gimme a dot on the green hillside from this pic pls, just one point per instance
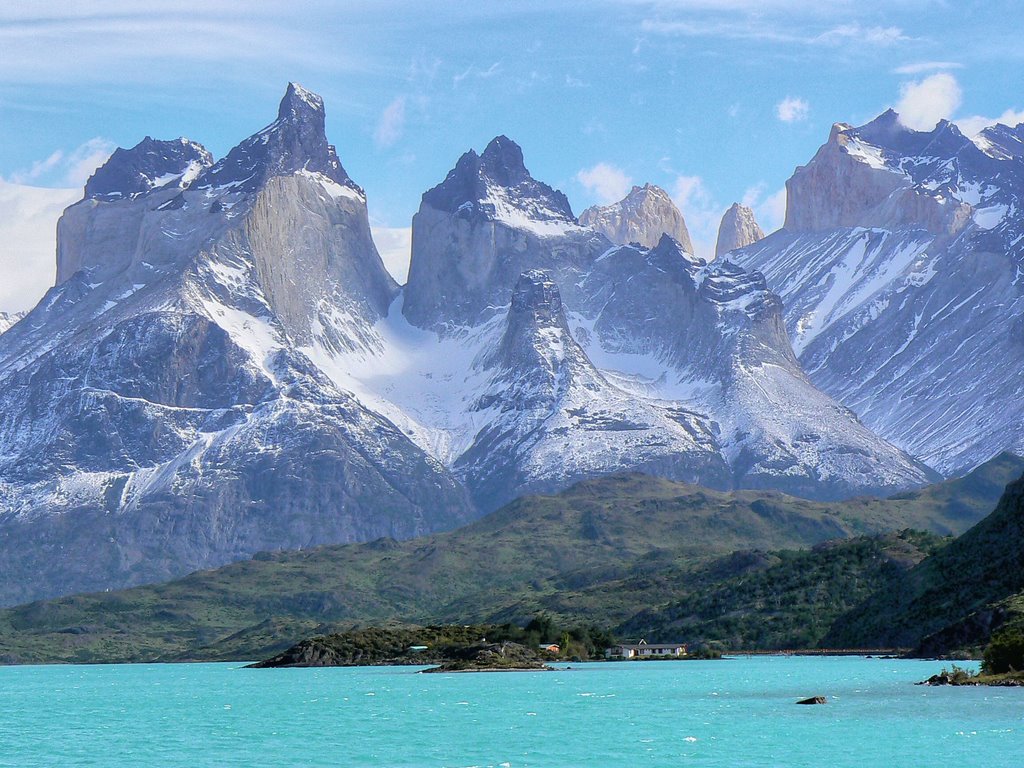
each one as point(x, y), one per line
point(594, 553)
point(783, 600)
point(955, 598)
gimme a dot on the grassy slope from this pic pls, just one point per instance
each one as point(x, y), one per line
point(783, 600)
point(957, 596)
point(596, 552)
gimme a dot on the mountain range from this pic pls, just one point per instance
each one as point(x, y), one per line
point(224, 365)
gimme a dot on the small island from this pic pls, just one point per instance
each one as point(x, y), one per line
point(448, 648)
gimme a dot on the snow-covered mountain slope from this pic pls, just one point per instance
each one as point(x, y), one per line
point(899, 268)
point(7, 319)
point(156, 415)
point(655, 334)
point(642, 216)
point(550, 415)
point(738, 229)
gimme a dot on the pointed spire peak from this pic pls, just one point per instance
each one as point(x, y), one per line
point(738, 229)
point(502, 147)
point(299, 103)
point(502, 161)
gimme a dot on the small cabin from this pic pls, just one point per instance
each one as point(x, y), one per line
point(645, 650)
point(550, 647)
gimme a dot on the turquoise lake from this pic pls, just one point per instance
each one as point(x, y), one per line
point(734, 712)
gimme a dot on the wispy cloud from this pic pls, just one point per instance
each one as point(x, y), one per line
point(48, 41)
point(608, 183)
point(66, 168)
point(919, 67)
point(792, 109)
point(476, 72)
point(760, 29)
point(701, 211)
point(391, 123)
point(859, 34)
point(924, 102)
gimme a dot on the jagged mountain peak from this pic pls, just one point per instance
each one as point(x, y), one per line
point(670, 250)
point(1002, 142)
point(536, 331)
point(502, 162)
point(739, 228)
point(888, 132)
point(642, 216)
point(296, 142)
point(478, 230)
point(885, 175)
point(150, 164)
point(300, 104)
point(494, 183)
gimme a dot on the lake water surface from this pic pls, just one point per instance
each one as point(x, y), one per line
point(734, 712)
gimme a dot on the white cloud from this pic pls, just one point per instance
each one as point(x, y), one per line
point(924, 102)
point(394, 244)
point(608, 183)
point(67, 169)
point(792, 109)
point(770, 210)
point(972, 126)
point(391, 123)
point(82, 162)
point(918, 67)
point(701, 211)
point(28, 231)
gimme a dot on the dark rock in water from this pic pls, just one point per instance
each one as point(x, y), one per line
point(814, 700)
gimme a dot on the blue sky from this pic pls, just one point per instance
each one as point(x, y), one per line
point(717, 101)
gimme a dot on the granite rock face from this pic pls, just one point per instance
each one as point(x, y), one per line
point(478, 230)
point(738, 229)
point(899, 269)
point(857, 180)
point(157, 413)
point(642, 217)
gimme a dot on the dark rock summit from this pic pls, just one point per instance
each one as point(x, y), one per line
point(148, 165)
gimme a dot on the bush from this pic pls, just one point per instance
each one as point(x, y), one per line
point(1005, 652)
